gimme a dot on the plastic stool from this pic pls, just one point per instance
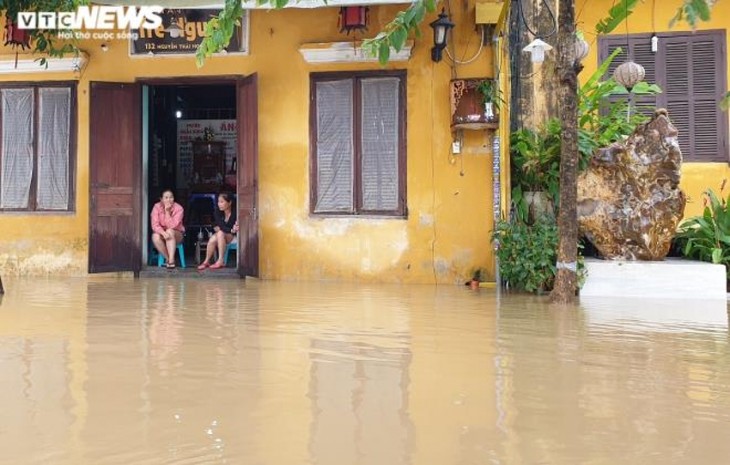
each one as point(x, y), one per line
point(180, 251)
point(231, 246)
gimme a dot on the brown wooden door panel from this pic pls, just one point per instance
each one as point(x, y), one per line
point(247, 189)
point(115, 168)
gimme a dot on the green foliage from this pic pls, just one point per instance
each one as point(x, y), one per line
point(693, 11)
point(395, 33)
point(725, 102)
point(616, 15)
point(707, 237)
point(45, 41)
point(536, 157)
point(218, 30)
point(490, 92)
point(527, 254)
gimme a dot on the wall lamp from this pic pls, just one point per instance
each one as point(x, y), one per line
point(440, 29)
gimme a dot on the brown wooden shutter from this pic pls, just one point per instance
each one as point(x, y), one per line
point(694, 82)
point(691, 70)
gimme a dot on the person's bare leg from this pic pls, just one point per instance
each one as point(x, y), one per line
point(159, 244)
point(210, 250)
point(221, 238)
point(171, 243)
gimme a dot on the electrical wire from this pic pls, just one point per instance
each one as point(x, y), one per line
point(470, 60)
point(527, 26)
point(581, 10)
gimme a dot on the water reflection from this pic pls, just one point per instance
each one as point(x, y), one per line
point(148, 371)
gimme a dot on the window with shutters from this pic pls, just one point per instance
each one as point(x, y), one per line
point(37, 146)
point(357, 134)
point(691, 70)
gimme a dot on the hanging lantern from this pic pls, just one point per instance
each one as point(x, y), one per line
point(629, 74)
point(537, 49)
point(353, 18)
point(581, 49)
point(14, 36)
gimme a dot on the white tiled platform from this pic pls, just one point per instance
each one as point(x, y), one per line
point(668, 279)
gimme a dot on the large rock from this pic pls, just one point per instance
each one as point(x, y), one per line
point(629, 201)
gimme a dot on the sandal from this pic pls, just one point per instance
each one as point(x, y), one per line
point(171, 266)
point(203, 266)
point(216, 266)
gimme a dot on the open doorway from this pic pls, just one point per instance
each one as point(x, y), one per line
point(192, 148)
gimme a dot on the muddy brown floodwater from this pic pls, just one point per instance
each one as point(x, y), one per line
point(106, 371)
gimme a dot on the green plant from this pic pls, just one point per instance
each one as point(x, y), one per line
point(535, 159)
point(490, 92)
point(707, 237)
point(527, 254)
point(46, 42)
point(479, 274)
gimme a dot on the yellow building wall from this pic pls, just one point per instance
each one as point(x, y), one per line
point(446, 234)
point(696, 177)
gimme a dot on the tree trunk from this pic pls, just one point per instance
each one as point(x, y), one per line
point(567, 279)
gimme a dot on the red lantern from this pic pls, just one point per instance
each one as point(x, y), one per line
point(353, 18)
point(14, 36)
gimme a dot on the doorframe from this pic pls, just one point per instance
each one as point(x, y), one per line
point(223, 79)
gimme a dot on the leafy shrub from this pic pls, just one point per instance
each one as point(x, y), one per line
point(535, 165)
point(527, 254)
point(707, 237)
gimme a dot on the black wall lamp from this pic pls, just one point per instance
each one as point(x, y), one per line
point(440, 29)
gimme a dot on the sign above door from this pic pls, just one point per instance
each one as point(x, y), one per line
point(182, 31)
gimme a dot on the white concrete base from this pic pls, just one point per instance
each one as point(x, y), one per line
point(668, 279)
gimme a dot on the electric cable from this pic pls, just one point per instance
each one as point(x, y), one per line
point(470, 60)
point(527, 26)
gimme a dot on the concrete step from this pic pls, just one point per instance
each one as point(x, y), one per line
point(670, 278)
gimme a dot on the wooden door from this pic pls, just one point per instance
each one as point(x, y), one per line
point(247, 189)
point(115, 178)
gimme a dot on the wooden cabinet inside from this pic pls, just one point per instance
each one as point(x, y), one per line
point(209, 166)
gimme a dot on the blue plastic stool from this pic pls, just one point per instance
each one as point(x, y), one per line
point(229, 247)
point(180, 251)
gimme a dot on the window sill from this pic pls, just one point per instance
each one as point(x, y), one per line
point(347, 216)
point(27, 64)
point(348, 52)
point(36, 213)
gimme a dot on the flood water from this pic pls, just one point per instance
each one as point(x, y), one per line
point(106, 371)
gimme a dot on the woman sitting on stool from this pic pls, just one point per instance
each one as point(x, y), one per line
point(167, 226)
point(225, 226)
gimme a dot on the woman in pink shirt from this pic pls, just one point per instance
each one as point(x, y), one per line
point(167, 226)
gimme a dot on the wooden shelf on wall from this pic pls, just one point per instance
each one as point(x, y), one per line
point(476, 126)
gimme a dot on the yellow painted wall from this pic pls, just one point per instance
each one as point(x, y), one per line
point(446, 234)
point(696, 177)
